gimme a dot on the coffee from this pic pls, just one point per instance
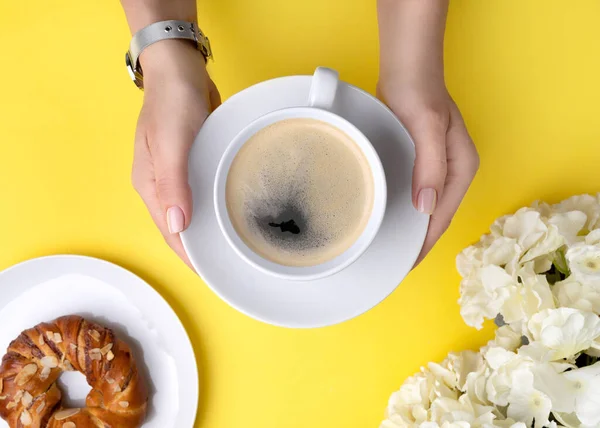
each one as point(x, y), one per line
point(299, 192)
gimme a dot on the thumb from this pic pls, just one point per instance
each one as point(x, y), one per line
point(430, 170)
point(173, 190)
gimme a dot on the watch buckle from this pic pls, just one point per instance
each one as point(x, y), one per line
point(134, 74)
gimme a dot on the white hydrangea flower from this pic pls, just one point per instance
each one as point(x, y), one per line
point(502, 251)
point(395, 421)
point(534, 237)
point(551, 241)
point(500, 272)
point(588, 204)
point(526, 226)
point(575, 394)
point(452, 372)
point(411, 405)
point(522, 237)
point(593, 238)
point(470, 260)
point(571, 293)
point(449, 411)
point(549, 379)
point(526, 403)
point(560, 333)
point(516, 381)
point(500, 381)
point(584, 262)
point(475, 386)
point(569, 420)
point(569, 225)
point(585, 387)
point(526, 299)
point(411, 402)
point(483, 296)
point(507, 338)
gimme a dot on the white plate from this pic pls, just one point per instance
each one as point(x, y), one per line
point(327, 301)
point(46, 288)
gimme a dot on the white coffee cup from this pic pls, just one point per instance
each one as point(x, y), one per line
point(320, 101)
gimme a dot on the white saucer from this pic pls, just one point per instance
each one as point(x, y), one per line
point(46, 288)
point(312, 303)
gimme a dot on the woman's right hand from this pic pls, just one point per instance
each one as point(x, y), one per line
point(178, 96)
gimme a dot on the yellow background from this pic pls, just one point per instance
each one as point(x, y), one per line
point(526, 75)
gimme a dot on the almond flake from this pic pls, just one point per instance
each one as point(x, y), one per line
point(2, 397)
point(69, 425)
point(50, 335)
point(18, 395)
point(41, 340)
point(109, 380)
point(11, 405)
point(57, 338)
point(95, 335)
point(106, 349)
point(73, 346)
point(45, 373)
point(40, 407)
point(95, 354)
point(26, 418)
point(117, 388)
point(26, 374)
point(68, 366)
point(27, 399)
point(124, 404)
point(110, 356)
point(49, 361)
point(64, 414)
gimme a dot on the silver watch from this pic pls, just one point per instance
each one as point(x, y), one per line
point(160, 31)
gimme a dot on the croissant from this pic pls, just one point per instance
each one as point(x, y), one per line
point(30, 397)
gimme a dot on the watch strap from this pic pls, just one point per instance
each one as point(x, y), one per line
point(163, 30)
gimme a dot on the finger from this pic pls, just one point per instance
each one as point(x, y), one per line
point(150, 198)
point(170, 160)
point(145, 184)
point(429, 174)
point(214, 95)
point(463, 163)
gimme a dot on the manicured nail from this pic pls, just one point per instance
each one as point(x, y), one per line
point(175, 220)
point(426, 201)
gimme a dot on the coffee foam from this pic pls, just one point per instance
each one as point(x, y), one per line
point(303, 170)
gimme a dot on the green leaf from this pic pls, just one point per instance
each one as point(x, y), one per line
point(560, 261)
point(583, 232)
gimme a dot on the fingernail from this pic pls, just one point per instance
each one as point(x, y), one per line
point(175, 220)
point(426, 201)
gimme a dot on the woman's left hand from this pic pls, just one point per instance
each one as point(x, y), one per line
point(446, 158)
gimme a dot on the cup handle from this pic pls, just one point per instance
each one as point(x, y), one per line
point(323, 88)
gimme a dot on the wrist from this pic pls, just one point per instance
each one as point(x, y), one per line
point(413, 73)
point(172, 61)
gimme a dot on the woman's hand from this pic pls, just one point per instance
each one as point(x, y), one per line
point(446, 159)
point(178, 97)
point(411, 82)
